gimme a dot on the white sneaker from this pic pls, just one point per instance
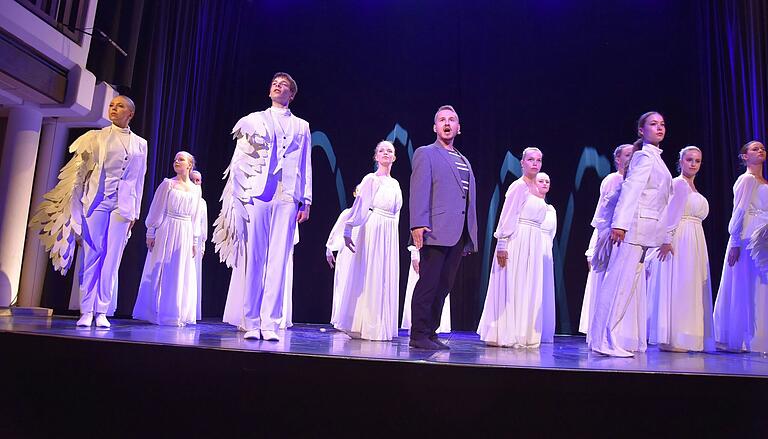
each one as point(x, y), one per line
point(85, 320)
point(254, 334)
point(269, 335)
point(101, 321)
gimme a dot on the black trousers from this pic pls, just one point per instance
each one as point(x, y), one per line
point(437, 271)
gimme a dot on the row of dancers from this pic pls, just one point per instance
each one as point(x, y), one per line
point(645, 222)
point(649, 278)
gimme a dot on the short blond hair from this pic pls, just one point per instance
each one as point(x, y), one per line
point(446, 107)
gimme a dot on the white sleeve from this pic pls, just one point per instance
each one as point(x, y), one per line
point(156, 212)
point(517, 194)
point(742, 197)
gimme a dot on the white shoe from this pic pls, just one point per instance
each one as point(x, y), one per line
point(85, 320)
point(269, 335)
point(101, 320)
point(254, 334)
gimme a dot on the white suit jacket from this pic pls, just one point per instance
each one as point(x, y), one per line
point(131, 184)
point(644, 197)
point(257, 136)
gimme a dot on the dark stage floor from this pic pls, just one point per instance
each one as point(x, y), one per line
point(566, 353)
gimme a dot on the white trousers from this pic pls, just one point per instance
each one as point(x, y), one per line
point(104, 237)
point(255, 298)
point(619, 324)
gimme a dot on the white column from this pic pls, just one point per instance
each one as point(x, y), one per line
point(53, 149)
point(17, 174)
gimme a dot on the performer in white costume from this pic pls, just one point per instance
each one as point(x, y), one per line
point(168, 290)
point(202, 218)
point(368, 306)
point(741, 307)
point(512, 315)
point(610, 183)
point(619, 325)
point(548, 230)
point(268, 190)
point(679, 286)
point(98, 198)
point(340, 262)
point(413, 277)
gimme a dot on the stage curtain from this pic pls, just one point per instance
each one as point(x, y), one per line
point(184, 58)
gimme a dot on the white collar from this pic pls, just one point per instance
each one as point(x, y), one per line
point(652, 148)
point(280, 111)
point(126, 130)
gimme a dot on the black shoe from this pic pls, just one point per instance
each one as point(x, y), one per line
point(423, 343)
point(440, 345)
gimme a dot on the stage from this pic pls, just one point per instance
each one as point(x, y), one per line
point(206, 379)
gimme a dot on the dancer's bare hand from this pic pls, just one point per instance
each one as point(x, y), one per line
point(733, 255)
point(330, 259)
point(617, 236)
point(303, 214)
point(150, 243)
point(418, 236)
point(415, 265)
point(665, 251)
point(501, 257)
point(194, 251)
point(349, 244)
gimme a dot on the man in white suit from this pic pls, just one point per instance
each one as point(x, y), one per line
point(268, 191)
point(98, 198)
point(619, 324)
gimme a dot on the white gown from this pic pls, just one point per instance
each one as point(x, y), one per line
point(335, 243)
point(512, 314)
point(609, 185)
point(168, 289)
point(413, 277)
point(679, 288)
point(202, 218)
point(548, 229)
point(741, 308)
point(368, 306)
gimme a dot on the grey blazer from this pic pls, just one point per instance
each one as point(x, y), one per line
point(437, 199)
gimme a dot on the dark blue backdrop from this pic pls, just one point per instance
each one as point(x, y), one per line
point(568, 77)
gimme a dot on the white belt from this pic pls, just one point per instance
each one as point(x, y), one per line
point(528, 222)
point(177, 216)
point(382, 212)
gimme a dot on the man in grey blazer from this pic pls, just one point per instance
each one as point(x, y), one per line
point(443, 224)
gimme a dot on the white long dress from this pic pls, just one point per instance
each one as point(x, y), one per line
point(202, 218)
point(679, 288)
point(413, 277)
point(168, 289)
point(335, 243)
point(369, 301)
point(512, 314)
point(741, 308)
point(608, 186)
point(548, 229)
